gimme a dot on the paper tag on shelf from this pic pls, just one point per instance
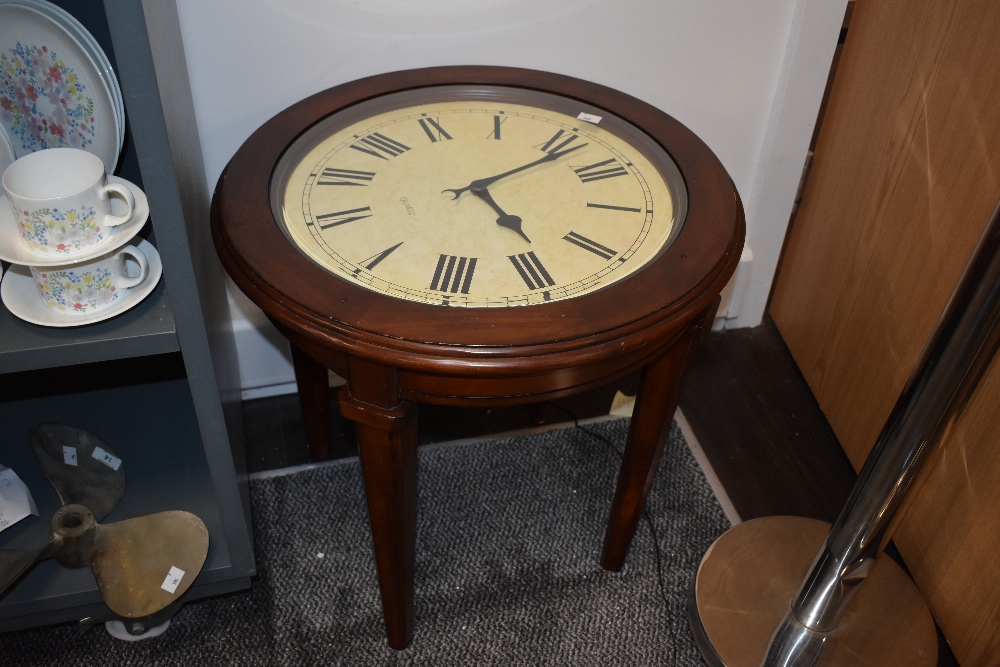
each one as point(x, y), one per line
point(173, 579)
point(107, 458)
point(590, 118)
point(69, 455)
point(15, 499)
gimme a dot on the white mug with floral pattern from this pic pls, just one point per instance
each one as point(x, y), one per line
point(60, 198)
point(89, 287)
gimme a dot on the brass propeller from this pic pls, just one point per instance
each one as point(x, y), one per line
point(89, 482)
point(142, 565)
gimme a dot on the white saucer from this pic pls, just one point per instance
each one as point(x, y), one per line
point(20, 295)
point(12, 248)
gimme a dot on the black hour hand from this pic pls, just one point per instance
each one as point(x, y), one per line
point(511, 222)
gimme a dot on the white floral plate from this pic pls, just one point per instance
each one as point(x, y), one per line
point(52, 93)
point(20, 295)
point(92, 48)
point(12, 249)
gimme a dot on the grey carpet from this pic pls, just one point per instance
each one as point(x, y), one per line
point(508, 542)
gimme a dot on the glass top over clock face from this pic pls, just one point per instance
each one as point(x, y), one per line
point(478, 197)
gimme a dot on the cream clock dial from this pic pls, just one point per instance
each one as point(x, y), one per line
point(499, 199)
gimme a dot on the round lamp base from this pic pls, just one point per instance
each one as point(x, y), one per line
point(748, 578)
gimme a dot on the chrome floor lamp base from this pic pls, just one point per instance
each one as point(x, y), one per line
point(794, 592)
point(747, 582)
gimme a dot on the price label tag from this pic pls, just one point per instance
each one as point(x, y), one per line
point(107, 458)
point(15, 499)
point(69, 455)
point(173, 580)
point(590, 118)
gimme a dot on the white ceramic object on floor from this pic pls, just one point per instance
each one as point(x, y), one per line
point(20, 295)
point(117, 630)
point(69, 103)
point(13, 250)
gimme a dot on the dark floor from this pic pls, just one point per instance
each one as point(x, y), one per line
point(750, 409)
point(760, 427)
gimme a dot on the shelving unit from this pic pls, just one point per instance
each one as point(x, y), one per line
point(159, 383)
point(147, 329)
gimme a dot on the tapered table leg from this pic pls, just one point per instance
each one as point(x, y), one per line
point(655, 403)
point(387, 443)
point(314, 396)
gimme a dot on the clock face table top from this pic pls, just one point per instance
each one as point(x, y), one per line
point(591, 208)
point(477, 235)
point(348, 210)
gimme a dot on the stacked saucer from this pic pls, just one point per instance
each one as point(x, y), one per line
point(65, 226)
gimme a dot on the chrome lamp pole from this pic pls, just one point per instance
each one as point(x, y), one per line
point(750, 603)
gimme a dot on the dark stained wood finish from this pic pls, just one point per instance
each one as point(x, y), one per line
point(387, 444)
point(313, 383)
point(366, 322)
point(658, 395)
point(393, 351)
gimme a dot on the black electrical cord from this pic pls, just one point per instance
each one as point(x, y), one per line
point(649, 522)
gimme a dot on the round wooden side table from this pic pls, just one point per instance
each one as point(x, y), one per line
point(398, 352)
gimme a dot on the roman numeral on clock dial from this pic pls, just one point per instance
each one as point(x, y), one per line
point(380, 146)
point(327, 220)
point(453, 274)
point(531, 270)
point(600, 170)
point(593, 246)
point(433, 129)
point(330, 176)
point(497, 122)
point(559, 140)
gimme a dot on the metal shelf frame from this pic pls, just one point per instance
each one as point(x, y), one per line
point(181, 439)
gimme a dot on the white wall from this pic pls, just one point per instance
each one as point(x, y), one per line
point(728, 69)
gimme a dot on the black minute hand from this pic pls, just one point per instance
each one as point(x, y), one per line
point(486, 182)
point(511, 222)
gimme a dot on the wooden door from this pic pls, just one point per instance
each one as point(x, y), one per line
point(905, 177)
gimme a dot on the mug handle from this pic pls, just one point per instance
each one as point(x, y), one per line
point(111, 220)
point(125, 281)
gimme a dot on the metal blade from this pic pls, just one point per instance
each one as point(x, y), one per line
point(133, 559)
point(15, 563)
point(90, 482)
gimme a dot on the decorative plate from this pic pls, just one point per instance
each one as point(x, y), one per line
point(52, 94)
point(92, 48)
